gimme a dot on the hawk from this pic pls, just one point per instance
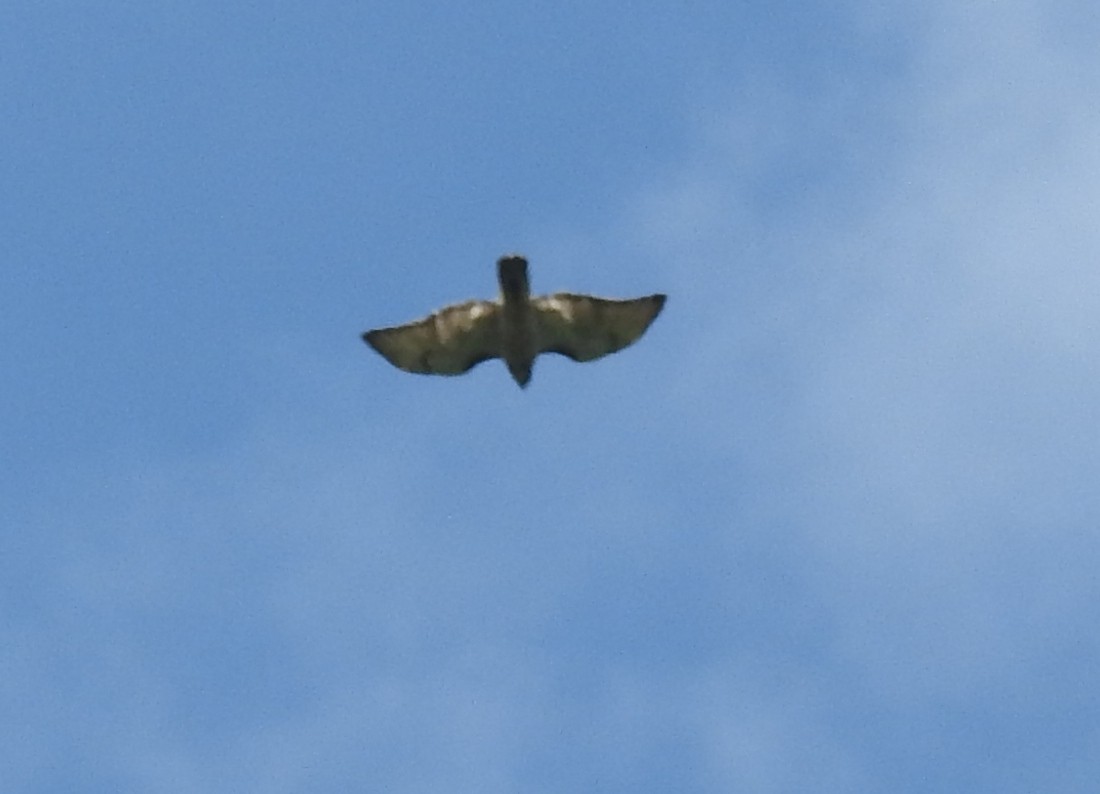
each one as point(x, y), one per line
point(516, 327)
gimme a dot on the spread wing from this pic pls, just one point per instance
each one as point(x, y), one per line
point(449, 342)
point(586, 328)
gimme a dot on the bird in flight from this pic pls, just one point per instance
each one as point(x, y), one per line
point(515, 327)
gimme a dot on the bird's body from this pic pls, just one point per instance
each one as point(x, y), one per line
point(516, 328)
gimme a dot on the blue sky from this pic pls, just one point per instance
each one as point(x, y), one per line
point(831, 526)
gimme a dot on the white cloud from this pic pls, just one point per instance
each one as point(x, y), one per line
point(862, 484)
point(932, 334)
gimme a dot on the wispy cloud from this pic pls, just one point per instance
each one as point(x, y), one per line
point(832, 526)
point(930, 334)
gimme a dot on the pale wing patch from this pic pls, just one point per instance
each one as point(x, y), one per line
point(449, 342)
point(584, 327)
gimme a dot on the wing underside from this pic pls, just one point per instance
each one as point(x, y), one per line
point(585, 328)
point(448, 342)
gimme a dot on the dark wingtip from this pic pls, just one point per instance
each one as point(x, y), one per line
point(368, 337)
